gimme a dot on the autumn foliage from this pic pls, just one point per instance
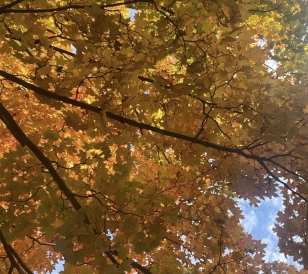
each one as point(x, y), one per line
point(129, 128)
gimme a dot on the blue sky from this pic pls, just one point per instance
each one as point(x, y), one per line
point(259, 222)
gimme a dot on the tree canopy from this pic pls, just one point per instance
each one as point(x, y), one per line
point(129, 128)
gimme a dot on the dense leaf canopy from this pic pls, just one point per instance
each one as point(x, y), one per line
point(126, 139)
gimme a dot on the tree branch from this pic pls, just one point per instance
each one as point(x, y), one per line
point(21, 262)
point(4, 8)
point(7, 249)
point(49, 94)
point(69, 7)
point(62, 51)
point(134, 264)
point(140, 267)
point(8, 120)
point(39, 242)
point(111, 258)
point(141, 126)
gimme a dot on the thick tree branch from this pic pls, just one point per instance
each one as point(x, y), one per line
point(140, 267)
point(70, 7)
point(6, 7)
point(134, 264)
point(7, 249)
point(49, 94)
point(111, 258)
point(20, 261)
point(9, 121)
point(141, 126)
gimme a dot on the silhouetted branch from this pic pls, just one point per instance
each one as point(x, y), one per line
point(70, 7)
point(39, 242)
point(6, 7)
point(141, 126)
point(20, 261)
point(7, 249)
point(134, 264)
point(8, 120)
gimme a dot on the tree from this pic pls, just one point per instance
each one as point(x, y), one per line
point(125, 141)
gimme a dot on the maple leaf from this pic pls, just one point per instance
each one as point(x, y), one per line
point(125, 141)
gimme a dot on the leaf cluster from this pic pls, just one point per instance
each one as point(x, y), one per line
point(125, 141)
